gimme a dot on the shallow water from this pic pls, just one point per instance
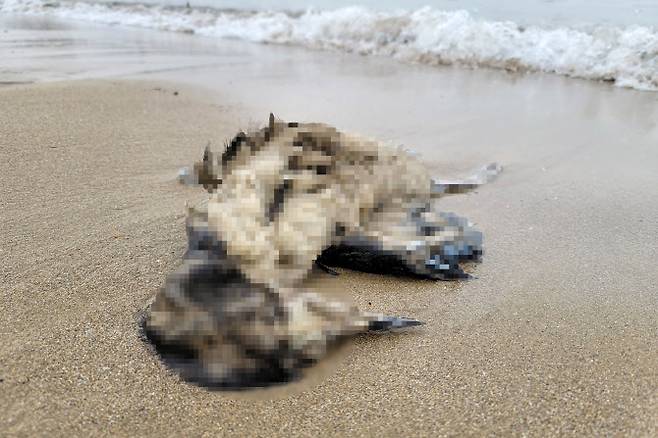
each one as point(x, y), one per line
point(556, 12)
point(623, 51)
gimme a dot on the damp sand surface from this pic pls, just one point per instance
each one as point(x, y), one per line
point(555, 335)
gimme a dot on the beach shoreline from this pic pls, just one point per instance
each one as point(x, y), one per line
point(555, 335)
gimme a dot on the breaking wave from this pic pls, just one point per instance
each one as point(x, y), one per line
point(627, 56)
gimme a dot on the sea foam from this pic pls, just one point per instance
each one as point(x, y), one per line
point(627, 56)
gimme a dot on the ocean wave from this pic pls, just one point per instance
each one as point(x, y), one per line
point(627, 56)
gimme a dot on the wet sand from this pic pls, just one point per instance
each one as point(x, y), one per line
point(557, 335)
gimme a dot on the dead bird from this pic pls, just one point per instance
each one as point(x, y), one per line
point(236, 314)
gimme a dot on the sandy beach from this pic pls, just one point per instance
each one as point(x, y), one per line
point(556, 334)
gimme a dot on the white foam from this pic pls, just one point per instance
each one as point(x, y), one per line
point(628, 56)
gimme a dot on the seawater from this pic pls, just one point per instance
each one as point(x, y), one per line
point(606, 40)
